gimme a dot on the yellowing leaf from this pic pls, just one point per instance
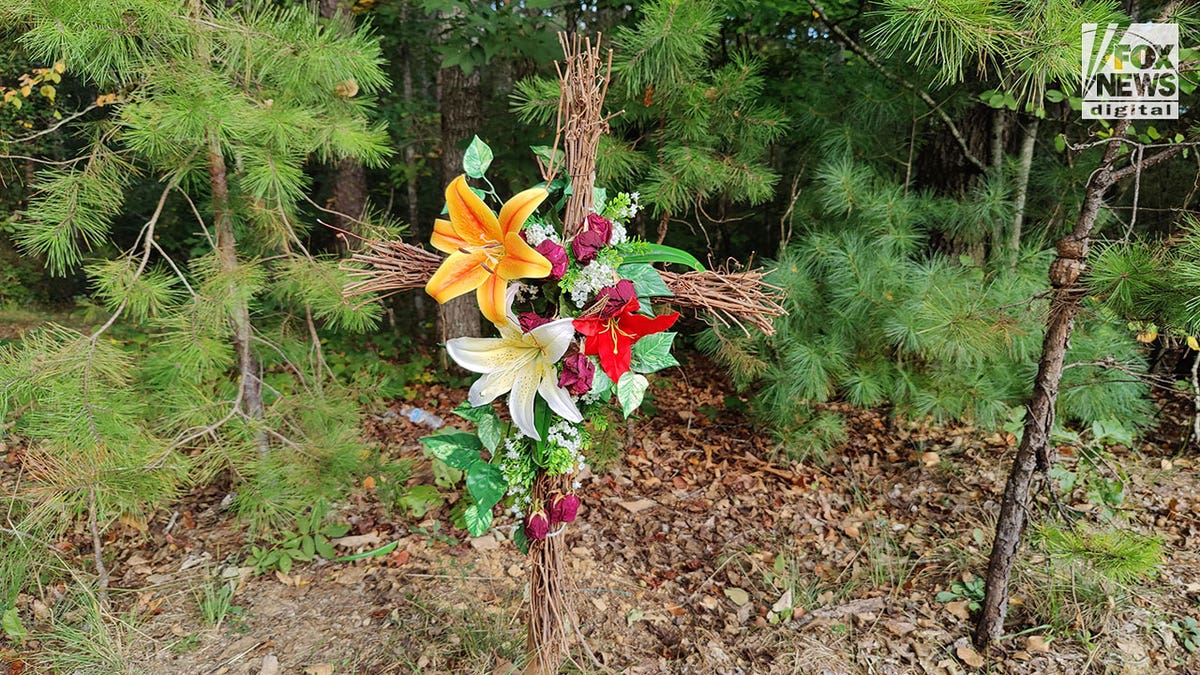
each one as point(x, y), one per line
point(26, 90)
point(1193, 344)
point(347, 89)
point(48, 91)
point(1147, 336)
point(59, 66)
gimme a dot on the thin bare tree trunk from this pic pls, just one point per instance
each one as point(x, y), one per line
point(1033, 455)
point(350, 179)
point(410, 160)
point(1026, 164)
point(250, 400)
point(1196, 398)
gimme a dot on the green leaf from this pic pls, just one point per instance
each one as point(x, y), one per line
point(486, 484)
point(335, 530)
point(472, 413)
point(1060, 142)
point(665, 254)
point(478, 519)
point(382, 550)
point(325, 549)
point(645, 278)
point(1055, 96)
point(444, 475)
point(520, 539)
point(10, 622)
point(652, 353)
point(541, 423)
point(457, 448)
point(487, 423)
point(285, 564)
point(548, 155)
point(420, 499)
point(630, 390)
point(601, 385)
point(309, 546)
point(491, 431)
point(477, 159)
point(599, 199)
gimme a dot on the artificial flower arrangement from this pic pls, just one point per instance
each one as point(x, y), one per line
point(577, 329)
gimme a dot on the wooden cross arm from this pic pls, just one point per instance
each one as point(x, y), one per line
point(727, 297)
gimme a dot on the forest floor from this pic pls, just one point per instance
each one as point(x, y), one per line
point(698, 550)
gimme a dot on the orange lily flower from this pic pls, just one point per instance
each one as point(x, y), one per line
point(486, 252)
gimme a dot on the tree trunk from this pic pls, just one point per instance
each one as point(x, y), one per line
point(1026, 163)
point(1033, 455)
point(458, 99)
point(250, 399)
point(419, 300)
point(350, 179)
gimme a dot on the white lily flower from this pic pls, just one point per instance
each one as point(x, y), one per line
point(521, 365)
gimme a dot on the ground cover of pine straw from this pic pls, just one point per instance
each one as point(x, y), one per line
point(697, 551)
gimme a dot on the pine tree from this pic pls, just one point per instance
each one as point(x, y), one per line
point(223, 108)
point(691, 138)
point(876, 319)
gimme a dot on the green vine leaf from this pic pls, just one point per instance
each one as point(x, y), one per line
point(478, 519)
point(645, 278)
point(486, 484)
point(459, 449)
point(653, 353)
point(477, 158)
point(631, 388)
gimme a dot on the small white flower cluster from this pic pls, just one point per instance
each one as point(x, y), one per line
point(566, 435)
point(536, 233)
point(619, 236)
point(592, 277)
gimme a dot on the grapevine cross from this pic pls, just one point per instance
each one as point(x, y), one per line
point(727, 298)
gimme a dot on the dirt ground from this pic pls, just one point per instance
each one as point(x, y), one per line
point(697, 551)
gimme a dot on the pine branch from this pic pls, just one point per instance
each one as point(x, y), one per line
point(871, 60)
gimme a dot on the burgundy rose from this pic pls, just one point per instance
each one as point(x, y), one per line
point(577, 374)
point(530, 320)
point(601, 226)
point(586, 245)
point(617, 297)
point(557, 255)
point(563, 508)
point(537, 525)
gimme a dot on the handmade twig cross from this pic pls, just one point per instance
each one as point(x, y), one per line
point(587, 332)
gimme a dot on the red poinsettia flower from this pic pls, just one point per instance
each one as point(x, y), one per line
point(612, 334)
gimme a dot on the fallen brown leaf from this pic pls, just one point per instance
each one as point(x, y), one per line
point(959, 609)
point(1037, 643)
point(969, 656)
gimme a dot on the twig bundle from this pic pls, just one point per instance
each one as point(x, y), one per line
point(728, 297)
point(392, 267)
point(583, 79)
point(583, 82)
point(551, 613)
